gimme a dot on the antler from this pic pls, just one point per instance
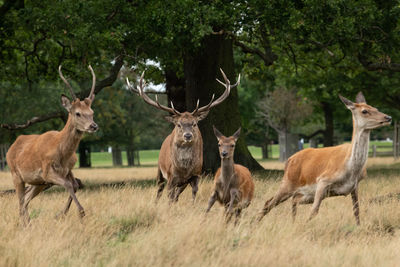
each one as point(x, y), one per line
point(70, 87)
point(226, 93)
point(93, 82)
point(148, 100)
point(66, 83)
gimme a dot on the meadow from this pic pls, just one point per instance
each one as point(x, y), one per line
point(124, 227)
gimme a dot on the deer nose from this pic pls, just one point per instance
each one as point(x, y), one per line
point(388, 118)
point(94, 126)
point(224, 153)
point(187, 136)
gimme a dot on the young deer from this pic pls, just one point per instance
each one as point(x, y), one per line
point(181, 155)
point(233, 185)
point(47, 159)
point(316, 173)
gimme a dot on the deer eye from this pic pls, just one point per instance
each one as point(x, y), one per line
point(179, 126)
point(78, 114)
point(232, 145)
point(194, 124)
point(219, 144)
point(365, 111)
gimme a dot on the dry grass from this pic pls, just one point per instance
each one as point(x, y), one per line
point(123, 227)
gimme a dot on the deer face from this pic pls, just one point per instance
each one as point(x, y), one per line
point(186, 129)
point(226, 145)
point(81, 114)
point(365, 116)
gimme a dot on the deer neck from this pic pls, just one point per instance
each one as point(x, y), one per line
point(69, 139)
point(359, 148)
point(227, 168)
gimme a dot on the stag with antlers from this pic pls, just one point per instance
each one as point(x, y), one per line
point(181, 156)
point(40, 161)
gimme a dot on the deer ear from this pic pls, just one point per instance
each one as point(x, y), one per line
point(170, 119)
point(237, 134)
point(360, 98)
point(66, 103)
point(348, 103)
point(217, 133)
point(202, 115)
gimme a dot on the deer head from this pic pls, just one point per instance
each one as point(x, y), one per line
point(186, 128)
point(365, 116)
point(80, 112)
point(226, 145)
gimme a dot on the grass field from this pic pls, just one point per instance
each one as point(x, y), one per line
point(124, 227)
point(150, 157)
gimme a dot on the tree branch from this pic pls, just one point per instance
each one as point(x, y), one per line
point(312, 135)
point(375, 66)
point(60, 114)
point(53, 115)
point(269, 57)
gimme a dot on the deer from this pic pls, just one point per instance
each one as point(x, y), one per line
point(41, 161)
point(314, 174)
point(233, 184)
point(180, 160)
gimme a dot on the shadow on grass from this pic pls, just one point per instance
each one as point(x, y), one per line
point(88, 186)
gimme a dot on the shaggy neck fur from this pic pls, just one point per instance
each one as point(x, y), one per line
point(69, 139)
point(359, 149)
point(184, 155)
point(227, 168)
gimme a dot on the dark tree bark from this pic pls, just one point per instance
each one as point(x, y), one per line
point(328, 133)
point(201, 68)
point(116, 156)
point(130, 155)
point(264, 150)
point(84, 155)
point(175, 88)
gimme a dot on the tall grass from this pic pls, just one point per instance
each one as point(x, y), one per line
point(124, 227)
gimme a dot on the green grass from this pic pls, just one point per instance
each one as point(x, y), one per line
point(150, 157)
point(104, 159)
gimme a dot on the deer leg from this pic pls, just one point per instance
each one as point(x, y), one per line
point(194, 183)
point(20, 190)
point(234, 199)
point(31, 192)
point(356, 209)
point(179, 189)
point(76, 185)
point(212, 200)
point(295, 201)
point(280, 197)
point(237, 213)
point(54, 178)
point(161, 181)
point(319, 196)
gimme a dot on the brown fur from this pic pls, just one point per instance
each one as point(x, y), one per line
point(47, 159)
point(233, 184)
point(316, 173)
point(180, 162)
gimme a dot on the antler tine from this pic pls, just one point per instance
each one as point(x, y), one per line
point(93, 82)
point(197, 107)
point(224, 95)
point(174, 110)
point(130, 87)
point(66, 83)
point(146, 98)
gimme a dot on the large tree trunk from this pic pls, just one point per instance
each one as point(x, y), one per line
point(201, 68)
point(84, 155)
point(288, 145)
point(116, 156)
point(175, 88)
point(328, 133)
point(264, 150)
